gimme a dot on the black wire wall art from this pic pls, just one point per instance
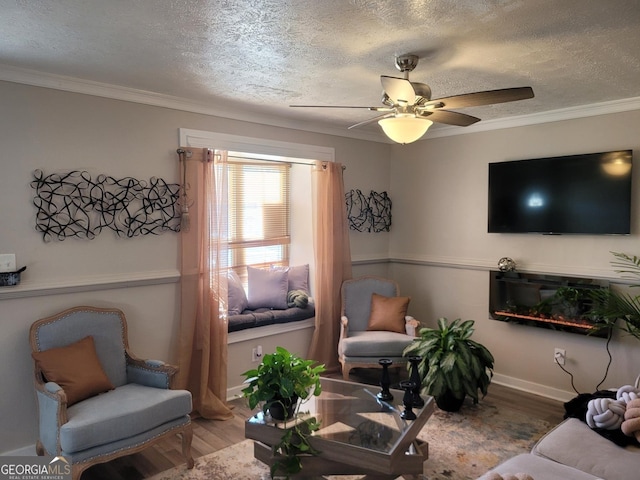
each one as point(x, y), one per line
point(380, 211)
point(368, 214)
point(358, 211)
point(74, 204)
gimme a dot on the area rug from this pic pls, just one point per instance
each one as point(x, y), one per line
point(462, 446)
point(466, 444)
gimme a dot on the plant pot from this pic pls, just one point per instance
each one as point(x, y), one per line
point(448, 402)
point(283, 408)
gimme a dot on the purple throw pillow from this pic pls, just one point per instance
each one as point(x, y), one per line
point(236, 297)
point(267, 288)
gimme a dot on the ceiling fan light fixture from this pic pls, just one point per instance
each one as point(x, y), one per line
point(405, 129)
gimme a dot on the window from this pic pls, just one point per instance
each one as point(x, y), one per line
point(259, 214)
point(299, 155)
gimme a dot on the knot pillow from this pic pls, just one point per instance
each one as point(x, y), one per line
point(387, 313)
point(627, 393)
point(297, 298)
point(605, 413)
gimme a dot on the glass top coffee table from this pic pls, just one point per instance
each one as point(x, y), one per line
point(359, 434)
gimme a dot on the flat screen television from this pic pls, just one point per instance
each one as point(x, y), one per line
point(575, 194)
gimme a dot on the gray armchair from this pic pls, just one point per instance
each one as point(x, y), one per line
point(361, 344)
point(106, 403)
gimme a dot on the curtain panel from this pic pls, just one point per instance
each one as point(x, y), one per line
point(202, 347)
point(332, 259)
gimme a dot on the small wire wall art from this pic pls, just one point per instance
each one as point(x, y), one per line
point(368, 214)
point(74, 204)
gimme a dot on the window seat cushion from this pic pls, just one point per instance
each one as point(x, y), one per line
point(267, 316)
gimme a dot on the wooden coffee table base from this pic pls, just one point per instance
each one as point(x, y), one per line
point(316, 467)
point(358, 434)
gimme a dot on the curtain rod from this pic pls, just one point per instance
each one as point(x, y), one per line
point(272, 160)
point(188, 154)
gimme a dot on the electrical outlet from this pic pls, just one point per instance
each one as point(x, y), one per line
point(256, 353)
point(559, 356)
point(8, 262)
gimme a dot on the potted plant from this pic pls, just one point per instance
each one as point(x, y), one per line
point(611, 305)
point(281, 383)
point(452, 365)
point(281, 380)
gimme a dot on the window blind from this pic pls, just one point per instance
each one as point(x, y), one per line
point(259, 212)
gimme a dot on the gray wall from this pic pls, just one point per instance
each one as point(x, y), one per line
point(439, 188)
point(58, 131)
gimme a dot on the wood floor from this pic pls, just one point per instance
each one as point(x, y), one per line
point(210, 436)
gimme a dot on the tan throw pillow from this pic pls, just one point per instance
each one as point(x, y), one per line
point(387, 313)
point(76, 368)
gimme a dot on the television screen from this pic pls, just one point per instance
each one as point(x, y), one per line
point(576, 194)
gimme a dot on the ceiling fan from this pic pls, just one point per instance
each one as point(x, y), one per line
point(409, 110)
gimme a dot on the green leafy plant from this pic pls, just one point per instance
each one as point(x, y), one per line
point(281, 375)
point(569, 295)
point(452, 365)
point(293, 443)
point(286, 380)
point(612, 305)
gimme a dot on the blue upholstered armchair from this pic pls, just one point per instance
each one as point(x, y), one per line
point(96, 401)
point(374, 324)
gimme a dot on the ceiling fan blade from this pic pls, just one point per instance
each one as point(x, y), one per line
point(485, 98)
point(449, 117)
point(399, 90)
point(371, 120)
point(422, 90)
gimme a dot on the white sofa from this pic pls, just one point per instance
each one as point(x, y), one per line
point(572, 451)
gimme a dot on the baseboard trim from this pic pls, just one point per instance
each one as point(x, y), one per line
point(504, 380)
point(234, 392)
point(28, 451)
point(534, 388)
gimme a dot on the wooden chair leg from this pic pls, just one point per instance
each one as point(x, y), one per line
point(187, 438)
point(76, 471)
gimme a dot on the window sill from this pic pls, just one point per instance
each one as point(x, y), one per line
point(268, 330)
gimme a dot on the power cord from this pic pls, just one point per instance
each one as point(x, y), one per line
point(570, 375)
point(610, 358)
point(606, 373)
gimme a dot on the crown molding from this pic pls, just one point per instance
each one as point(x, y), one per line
point(9, 73)
point(35, 78)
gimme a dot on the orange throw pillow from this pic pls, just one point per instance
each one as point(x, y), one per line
point(76, 368)
point(387, 313)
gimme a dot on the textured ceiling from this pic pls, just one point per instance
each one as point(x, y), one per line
point(262, 55)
